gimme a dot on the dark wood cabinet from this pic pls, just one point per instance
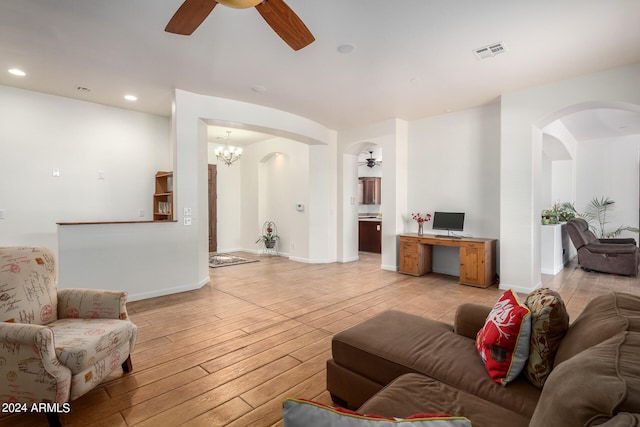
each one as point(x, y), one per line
point(369, 190)
point(370, 236)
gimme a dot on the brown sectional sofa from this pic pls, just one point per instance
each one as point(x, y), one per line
point(398, 364)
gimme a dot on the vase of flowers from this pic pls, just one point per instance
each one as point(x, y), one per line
point(420, 219)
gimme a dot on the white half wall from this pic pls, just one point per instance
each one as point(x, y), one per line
point(40, 132)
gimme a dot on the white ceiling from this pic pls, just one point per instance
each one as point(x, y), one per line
point(413, 58)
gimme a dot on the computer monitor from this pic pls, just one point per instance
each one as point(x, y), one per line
point(450, 221)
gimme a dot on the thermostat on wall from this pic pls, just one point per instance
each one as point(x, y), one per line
point(299, 207)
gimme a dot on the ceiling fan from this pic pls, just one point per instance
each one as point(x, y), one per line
point(280, 17)
point(371, 161)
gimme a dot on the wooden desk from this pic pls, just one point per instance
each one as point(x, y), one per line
point(477, 257)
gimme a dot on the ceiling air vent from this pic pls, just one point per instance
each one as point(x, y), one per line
point(491, 50)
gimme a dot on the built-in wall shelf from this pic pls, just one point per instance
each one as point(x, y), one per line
point(163, 197)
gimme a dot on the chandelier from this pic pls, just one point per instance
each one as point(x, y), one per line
point(229, 154)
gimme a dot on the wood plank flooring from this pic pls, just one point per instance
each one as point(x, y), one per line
point(228, 353)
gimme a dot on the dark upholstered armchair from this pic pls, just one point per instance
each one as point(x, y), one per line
point(618, 256)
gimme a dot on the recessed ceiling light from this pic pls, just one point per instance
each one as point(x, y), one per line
point(131, 97)
point(17, 72)
point(259, 89)
point(346, 48)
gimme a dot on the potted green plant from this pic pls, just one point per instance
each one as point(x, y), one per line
point(596, 212)
point(566, 211)
point(269, 235)
point(559, 212)
point(549, 217)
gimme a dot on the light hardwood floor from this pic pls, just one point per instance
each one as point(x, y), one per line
point(228, 353)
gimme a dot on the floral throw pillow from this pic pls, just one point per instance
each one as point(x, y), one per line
point(503, 341)
point(549, 324)
point(305, 413)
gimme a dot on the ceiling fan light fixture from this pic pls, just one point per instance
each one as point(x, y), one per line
point(371, 161)
point(276, 13)
point(240, 4)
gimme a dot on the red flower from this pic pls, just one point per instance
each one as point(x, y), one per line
point(418, 217)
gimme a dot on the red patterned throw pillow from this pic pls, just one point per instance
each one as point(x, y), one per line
point(305, 413)
point(503, 341)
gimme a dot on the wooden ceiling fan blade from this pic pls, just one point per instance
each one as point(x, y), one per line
point(284, 21)
point(189, 16)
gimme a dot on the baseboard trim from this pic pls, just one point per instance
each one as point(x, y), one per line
point(167, 291)
point(389, 267)
point(349, 259)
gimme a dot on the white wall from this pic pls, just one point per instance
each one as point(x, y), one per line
point(609, 168)
point(229, 192)
point(39, 132)
point(524, 114)
point(392, 137)
point(563, 181)
point(276, 175)
point(454, 166)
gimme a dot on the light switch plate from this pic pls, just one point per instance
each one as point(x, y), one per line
point(187, 221)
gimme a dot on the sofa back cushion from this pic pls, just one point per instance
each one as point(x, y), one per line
point(27, 285)
point(592, 386)
point(604, 317)
point(306, 413)
point(549, 324)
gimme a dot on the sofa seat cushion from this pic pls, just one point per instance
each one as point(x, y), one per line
point(79, 343)
point(415, 393)
point(602, 318)
point(394, 343)
point(593, 386)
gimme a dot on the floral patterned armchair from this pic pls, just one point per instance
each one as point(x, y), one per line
point(56, 345)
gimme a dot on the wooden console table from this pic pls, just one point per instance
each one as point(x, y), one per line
point(477, 257)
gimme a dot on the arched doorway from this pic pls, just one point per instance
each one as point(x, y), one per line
point(589, 150)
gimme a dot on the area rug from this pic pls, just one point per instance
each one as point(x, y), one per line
point(223, 260)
